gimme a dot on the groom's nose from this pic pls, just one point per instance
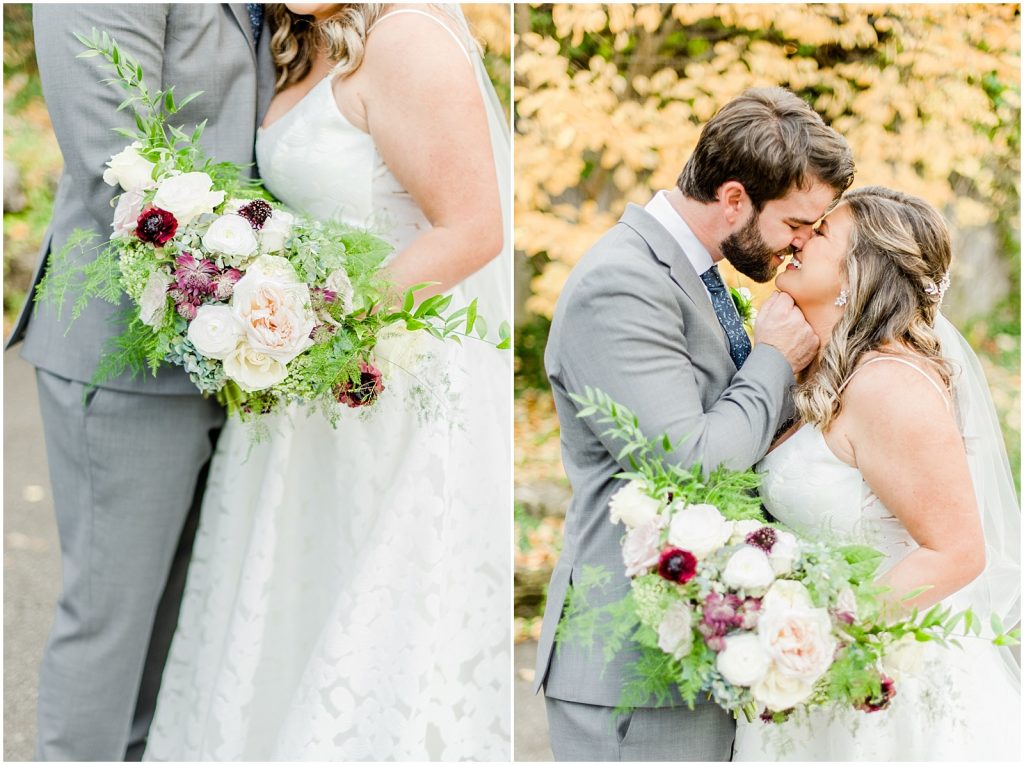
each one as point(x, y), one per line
point(801, 237)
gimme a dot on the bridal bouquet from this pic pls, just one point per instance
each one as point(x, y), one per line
point(726, 604)
point(262, 307)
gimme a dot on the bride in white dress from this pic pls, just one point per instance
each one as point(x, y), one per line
point(899, 449)
point(349, 595)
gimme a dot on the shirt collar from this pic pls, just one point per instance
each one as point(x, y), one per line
point(662, 211)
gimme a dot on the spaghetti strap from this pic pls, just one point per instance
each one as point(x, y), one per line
point(905, 362)
point(444, 26)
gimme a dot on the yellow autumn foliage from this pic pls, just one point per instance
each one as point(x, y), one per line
point(610, 100)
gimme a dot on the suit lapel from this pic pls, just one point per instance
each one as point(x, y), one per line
point(241, 16)
point(667, 250)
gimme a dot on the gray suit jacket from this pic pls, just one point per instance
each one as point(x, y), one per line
point(207, 47)
point(635, 321)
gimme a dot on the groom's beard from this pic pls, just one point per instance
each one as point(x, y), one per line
point(749, 254)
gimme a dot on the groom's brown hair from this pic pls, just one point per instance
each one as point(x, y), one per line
point(771, 141)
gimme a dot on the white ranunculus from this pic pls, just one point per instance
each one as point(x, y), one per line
point(743, 661)
point(275, 231)
point(675, 633)
point(905, 656)
point(273, 307)
point(129, 169)
point(799, 640)
point(253, 370)
point(126, 214)
point(153, 301)
point(339, 283)
point(786, 593)
point(784, 552)
point(399, 351)
point(215, 332)
point(632, 505)
point(779, 692)
point(187, 196)
point(231, 235)
point(642, 546)
point(699, 529)
point(740, 529)
point(748, 569)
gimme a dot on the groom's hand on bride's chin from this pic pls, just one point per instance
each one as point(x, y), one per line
point(781, 325)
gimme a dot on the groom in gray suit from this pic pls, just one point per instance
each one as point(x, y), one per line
point(127, 460)
point(646, 318)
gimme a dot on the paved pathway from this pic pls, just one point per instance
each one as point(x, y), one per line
point(31, 555)
point(531, 732)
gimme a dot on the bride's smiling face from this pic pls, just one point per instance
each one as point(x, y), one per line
point(815, 275)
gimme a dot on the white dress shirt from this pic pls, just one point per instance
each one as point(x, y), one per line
point(662, 211)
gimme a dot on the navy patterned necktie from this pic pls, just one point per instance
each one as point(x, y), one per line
point(728, 316)
point(255, 19)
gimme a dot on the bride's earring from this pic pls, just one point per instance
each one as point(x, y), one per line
point(844, 296)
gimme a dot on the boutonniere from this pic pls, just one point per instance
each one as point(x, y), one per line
point(744, 301)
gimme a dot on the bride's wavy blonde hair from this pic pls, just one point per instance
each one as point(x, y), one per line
point(295, 39)
point(899, 255)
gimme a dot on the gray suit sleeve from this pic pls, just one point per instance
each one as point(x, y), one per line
point(623, 333)
point(82, 109)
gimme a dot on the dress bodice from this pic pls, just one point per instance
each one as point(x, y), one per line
point(805, 486)
point(317, 162)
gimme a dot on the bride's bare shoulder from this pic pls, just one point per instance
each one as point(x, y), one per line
point(896, 388)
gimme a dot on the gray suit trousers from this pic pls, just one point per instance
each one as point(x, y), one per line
point(125, 470)
point(591, 733)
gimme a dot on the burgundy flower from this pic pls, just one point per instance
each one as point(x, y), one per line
point(224, 283)
point(722, 613)
point(194, 277)
point(256, 212)
point(677, 565)
point(156, 226)
point(764, 538)
point(364, 392)
point(187, 311)
point(882, 701)
point(320, 298)
point(321, 333)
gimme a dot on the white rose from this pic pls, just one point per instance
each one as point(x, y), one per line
point(272, 306)
point(780, 692)
point(129, 169)
point(126, 214)
point(230, 235)
point(699, 529)
point(748, 569)
point(187, 196)
point(339, 283)
point(784, 552)
point(743, 661)
point(215, 331)
point(740, 529)
point(642, 546)
point(632, 505)
point(905, 656)
point(785, 594)
point(253, 370)
point(153, 301)
point(675, 633)
point(799, 640)
point(275, 231)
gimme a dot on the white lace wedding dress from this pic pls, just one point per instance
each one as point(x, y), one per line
point(349, 595)
point(956, 705)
